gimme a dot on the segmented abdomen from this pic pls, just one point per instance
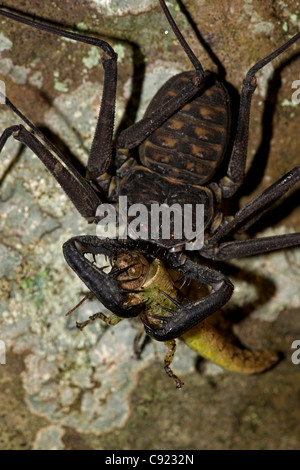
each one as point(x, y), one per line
point(190, 145)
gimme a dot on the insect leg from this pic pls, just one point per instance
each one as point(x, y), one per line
point(112, 320)
point(171, 345)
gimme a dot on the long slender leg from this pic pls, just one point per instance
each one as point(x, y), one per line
point(255, 208)
point(184, 44)
point(171, 345)
point(237, 163)
point(112, 320)
point(136, 133)
point(101, 150)
point(256, 246)
point(75, 186)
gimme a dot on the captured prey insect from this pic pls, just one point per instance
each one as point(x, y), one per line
point(148, 281)
point(182, 141)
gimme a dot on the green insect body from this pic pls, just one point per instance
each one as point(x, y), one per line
point(211, 344)
point(157, 289)
point(154, 285)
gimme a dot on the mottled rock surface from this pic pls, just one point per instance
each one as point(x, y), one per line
point(62, 389)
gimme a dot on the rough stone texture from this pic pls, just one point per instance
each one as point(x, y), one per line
point(64, 390)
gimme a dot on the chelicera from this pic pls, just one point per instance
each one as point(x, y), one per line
point(182, 141)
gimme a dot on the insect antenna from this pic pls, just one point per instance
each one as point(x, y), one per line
point(86, 297)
